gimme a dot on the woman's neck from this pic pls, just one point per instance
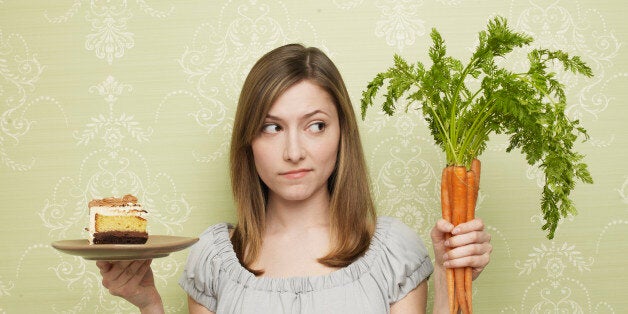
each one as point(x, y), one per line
point(291, 216)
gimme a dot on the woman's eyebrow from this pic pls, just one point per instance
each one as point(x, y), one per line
point(305, 116)
point(317, 111)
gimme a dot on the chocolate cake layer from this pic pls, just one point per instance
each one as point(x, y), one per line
point(118, 237)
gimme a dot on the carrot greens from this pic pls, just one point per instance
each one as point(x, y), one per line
point(464, 103)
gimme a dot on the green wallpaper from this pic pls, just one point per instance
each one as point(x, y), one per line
point(101, 98)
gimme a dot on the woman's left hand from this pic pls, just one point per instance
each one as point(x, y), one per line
point(469, 245)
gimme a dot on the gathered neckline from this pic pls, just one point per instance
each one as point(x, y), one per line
point(339, 277)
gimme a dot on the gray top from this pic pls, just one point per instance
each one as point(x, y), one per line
point(394, 264)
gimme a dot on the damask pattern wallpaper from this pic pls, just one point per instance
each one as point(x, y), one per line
point(102, 98)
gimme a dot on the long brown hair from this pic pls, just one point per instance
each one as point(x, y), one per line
point(352, 212)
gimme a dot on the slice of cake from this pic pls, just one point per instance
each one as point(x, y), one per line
point(117, 221)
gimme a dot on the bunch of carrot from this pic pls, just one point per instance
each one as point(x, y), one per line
point(459, 194)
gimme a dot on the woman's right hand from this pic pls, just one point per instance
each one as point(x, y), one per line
point(132, 281)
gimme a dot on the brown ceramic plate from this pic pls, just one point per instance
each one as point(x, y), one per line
point(156, 246)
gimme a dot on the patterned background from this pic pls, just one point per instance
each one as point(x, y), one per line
point(103, 98)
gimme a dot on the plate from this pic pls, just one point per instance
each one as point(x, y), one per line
point(156, 246)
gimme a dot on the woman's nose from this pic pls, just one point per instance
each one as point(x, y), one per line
point(293, 150)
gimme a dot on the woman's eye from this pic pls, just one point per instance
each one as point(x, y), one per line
point(317, 127)
point(271, 128)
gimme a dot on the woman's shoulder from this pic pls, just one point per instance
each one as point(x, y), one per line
point(398, 238)
point(213, 242)
point(206, 259)
point(403, 261)
point(392, 227)
point(218, 229)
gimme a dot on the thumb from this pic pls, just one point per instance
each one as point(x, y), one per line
point(440, 230)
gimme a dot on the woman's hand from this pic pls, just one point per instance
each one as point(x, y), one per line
point(469, 245)
point(133, 281)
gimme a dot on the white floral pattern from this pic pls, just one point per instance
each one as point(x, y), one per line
point(5, 288)
point(623, 191)
point(19, 73)
point(405, 185)
point(110, 127)
point(450, 2)
point(110, 38)
point(347, 4)
point(399, 22)
point(557, 292)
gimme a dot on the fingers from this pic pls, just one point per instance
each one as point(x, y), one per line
point(468, 238)
point(138, 275)
point(104, 266)
point(468, 247)
point(473, 225)
point(442, 227)
point(476, 262)
point(464, 253)
point(123, 277)
point(115, 270)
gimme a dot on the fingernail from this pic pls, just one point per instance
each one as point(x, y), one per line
point(446, 264)
point(446, 243)
point(456, 230)
point(445, 257)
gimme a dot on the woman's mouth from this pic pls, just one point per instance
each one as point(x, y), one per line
point(296, 174)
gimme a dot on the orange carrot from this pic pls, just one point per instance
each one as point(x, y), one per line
point(476, 167)
point(459, 215)
point(470, 213)
point(445, 197)
point(459, 197)
point(473, 186)
point(451, 289)
point(468, 277)
point(445, 201)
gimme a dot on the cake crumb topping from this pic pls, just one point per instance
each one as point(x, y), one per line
point(114, 201)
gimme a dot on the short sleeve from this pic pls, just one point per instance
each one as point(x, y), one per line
point(201, 275)
point(406, 262)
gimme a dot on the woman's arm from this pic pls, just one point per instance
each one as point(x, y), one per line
point(414, 302)
point(196, 308)
point(441, 299)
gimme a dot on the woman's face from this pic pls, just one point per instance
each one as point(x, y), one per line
point(296, 150)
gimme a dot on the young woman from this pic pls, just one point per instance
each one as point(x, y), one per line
point(307, 238)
